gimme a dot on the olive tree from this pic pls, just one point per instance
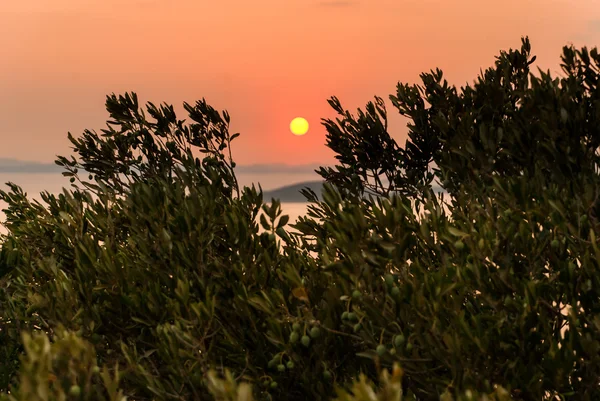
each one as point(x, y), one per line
point(153, 260)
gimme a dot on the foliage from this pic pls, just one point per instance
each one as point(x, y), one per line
point(488, 293)
point(499, 283)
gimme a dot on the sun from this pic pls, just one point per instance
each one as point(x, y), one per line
point(299, 126)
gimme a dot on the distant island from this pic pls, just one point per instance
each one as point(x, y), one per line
point(10, 165)
point(21, 166)
point(291, 193)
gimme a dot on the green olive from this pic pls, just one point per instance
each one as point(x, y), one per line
point(315, 332)
point(399, 340)
point(75, 390)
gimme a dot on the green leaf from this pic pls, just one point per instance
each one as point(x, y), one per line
point(283, 220)
point(264, 223)
point(456, 232)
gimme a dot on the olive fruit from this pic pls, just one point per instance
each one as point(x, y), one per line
point(356, 295)
point(290, 365)
point(75, 390)
point(96, 369)
point(315, 332)
point(459, 245)
point(399, 340)
point(296, 327)
point(357, 327)
point(409, 347)
point(294, 337)
point(327, 375)
point(305, 341)
point(381, 350)
point(272, 363)
point(281, 367)
point(273, 385)
point(345, 316)
point(352, 316)
point(395, 292)
point(555, 244)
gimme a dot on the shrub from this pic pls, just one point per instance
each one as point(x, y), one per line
point(156, 258)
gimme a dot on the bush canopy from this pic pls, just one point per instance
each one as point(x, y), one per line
point(156, 277)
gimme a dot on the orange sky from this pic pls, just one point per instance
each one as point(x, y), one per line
point(265, 61)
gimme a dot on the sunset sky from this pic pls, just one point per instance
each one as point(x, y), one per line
point(265, 61)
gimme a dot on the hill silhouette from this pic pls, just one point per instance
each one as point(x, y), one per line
point(291, 193)
point(8, 165)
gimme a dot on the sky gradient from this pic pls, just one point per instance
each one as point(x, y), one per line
point(265, 61)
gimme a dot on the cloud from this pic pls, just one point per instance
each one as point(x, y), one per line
point(337, 3)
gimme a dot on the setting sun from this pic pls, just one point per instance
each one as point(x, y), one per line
point(299, 126)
